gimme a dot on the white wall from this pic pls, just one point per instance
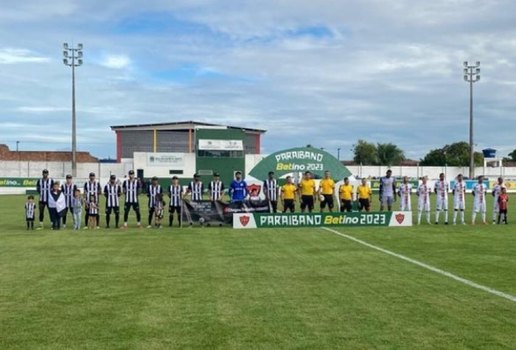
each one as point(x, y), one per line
point(187, 165)
point(431, 172)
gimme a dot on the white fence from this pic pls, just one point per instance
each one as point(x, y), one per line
point(431, 172)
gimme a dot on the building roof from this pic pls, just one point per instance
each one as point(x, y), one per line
point(180, 126)
point(44, 156)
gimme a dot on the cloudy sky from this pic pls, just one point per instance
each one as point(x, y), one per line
point(320, 72)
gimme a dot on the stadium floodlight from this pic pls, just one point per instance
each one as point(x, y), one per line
point(471, 76)
point(72, 57)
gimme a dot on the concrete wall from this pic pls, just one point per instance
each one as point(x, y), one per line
point(104, 170)
point(431, 172)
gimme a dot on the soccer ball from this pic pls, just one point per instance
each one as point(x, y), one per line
point(201, 221)
point(321, 198)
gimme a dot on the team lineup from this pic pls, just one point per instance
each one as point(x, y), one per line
point(66, 198)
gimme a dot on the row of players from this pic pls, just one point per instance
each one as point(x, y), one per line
point(388, 191)
point(61, 199)
point(305, 191)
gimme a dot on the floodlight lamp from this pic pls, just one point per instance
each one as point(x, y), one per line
point(478, 77)
point(79, 46)
point(65, 53)
point(65, 61)
point(478, 63)
point(465, 78)
point(466, 64)
point(79, 54)
point(478, 70)
point(79, 61)
point(65, 46)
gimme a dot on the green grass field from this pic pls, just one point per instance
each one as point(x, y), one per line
point(253, 289)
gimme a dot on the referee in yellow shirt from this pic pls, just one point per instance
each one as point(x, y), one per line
point(288, 195)
point(364, 194)
point(327, 190)
point(307, 190)
point(346, 196)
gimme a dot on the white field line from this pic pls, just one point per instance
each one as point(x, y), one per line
point(426, 266)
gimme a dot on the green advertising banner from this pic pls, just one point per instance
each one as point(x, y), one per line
point(299, 160)
point(262, 220)
point(17, 182)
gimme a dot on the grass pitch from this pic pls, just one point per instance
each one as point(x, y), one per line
point(253, 289)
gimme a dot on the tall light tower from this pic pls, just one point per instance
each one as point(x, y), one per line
point(72, 57)
point(471, 75)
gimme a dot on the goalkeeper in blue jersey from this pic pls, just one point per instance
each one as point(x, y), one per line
point(238, 189)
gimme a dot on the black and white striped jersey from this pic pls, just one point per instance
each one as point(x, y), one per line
point(216, 189)
point(92, 188)
point(44, 186)
point(152, 192)
point(175, 192)
point(30, 210)
point(196, 189)
point(93, 208)
point(112, 193)
point(68, 191)
point(270, 188)
point(131, 189)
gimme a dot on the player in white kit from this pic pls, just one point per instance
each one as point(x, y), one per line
point(441, 188)
point(497, 189)
point(459, 200)
point(404, 191)
point(423, 202)
point(479, 203)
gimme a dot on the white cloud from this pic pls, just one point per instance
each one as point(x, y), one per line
point(14, 56)
point(116, 62)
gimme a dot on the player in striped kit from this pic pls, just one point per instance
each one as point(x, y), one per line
point(459, 200)
point(92, 188)
point(423, 193)
point(175, 192)
point(271, 190)
point(195, 188)
point(30, 212)
point(479, 203)
point(44, 186)
point(441, 203)
point(497, 189)
point(131, 189)
point(154, 189)
point(405, 191)
point(68, 189)
point(112, 192)
point(216, 188)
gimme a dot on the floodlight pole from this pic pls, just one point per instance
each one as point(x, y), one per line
point(75, 56)
point(471, 75)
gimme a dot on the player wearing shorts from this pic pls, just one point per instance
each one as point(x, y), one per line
point(441, 203)
point(326, 191)
point(459, 200)
point(503, 202)
point(497, 189)
point(479, 202)
point(346, 196)
point(364, 194)
point(307, 190)
point(288, 195)
point(405, 191)
point(423, 202)
point(387, 191)
point(175, 193)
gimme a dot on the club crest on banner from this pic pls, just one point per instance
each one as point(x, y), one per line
point(400, 218)
point(244, 220)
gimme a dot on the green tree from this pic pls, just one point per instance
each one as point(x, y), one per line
point(455, 154)
point(389, 154)
point(512, 155)
point(365, 153)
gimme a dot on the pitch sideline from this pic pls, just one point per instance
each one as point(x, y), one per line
point(426, 266)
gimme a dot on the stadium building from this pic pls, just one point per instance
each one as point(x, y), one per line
point(185, 148)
